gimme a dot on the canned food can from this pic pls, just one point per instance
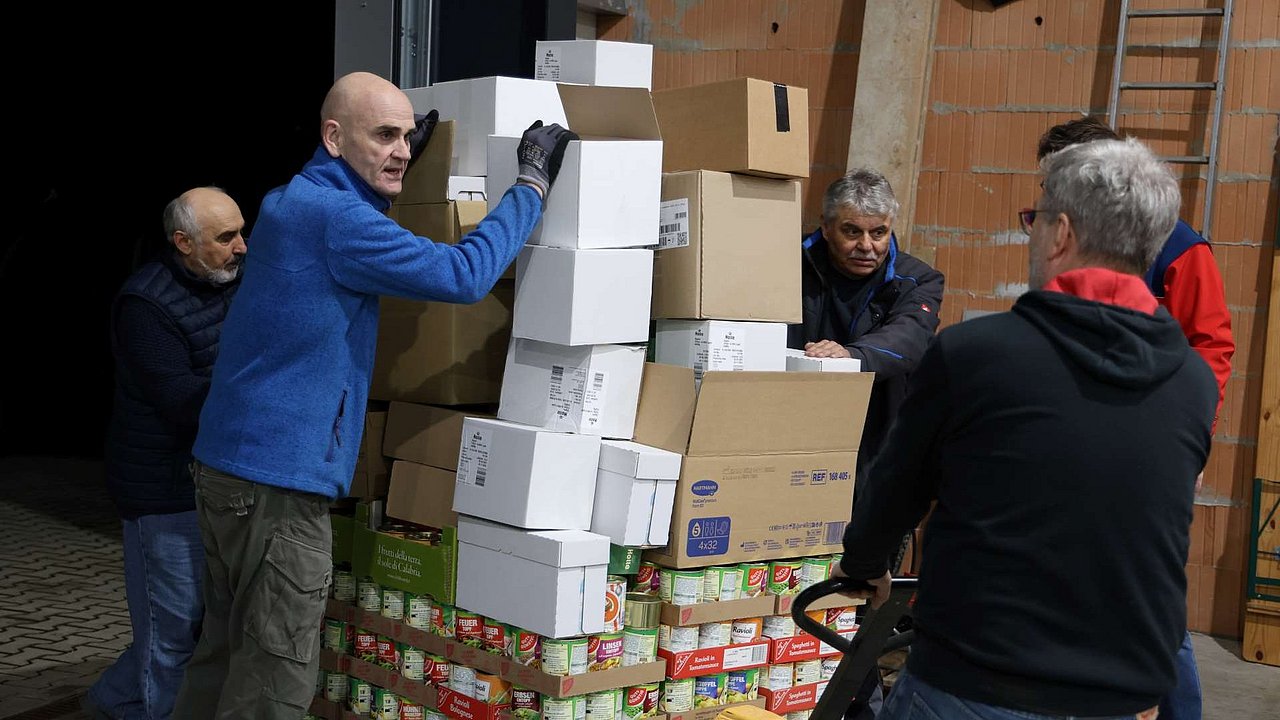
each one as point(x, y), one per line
point(641, 701)
point(393, 603)
point(722, 583)
point(365, 645)
point(388, 653)
point(564, 657)
point(605, 705)
point(681, 587)
point(829, 666)
point(369, 595)
point(412, 662)
point(743, 685)
point(642, 611)
point(462, 680)
point(647, 579)
point(808, 671)
point(677, 638)
point(755, 579)
point(835, 563)
point(469, 628)
point(492, 690)
point(433, 714)
point(526, 648)
point(344, 586)
point(411, 709)
point(359, 696)
point(709, 690)
point(386, 705)
point(444, 620)
point(497, 638)
point(799, 715)
point(639, 646)
point(746, 630)
point(437, 671)
point(417, 611)
point(714, 635)
point(572, 708)
point(604, 652)
point(336, 686)
point(845, 619)
point(778, 677)
point(784, 577)
point(526, 704)
point(338, 636)
point(615, 603)
point(779, 626)
point(814, 570)
point(677, 696)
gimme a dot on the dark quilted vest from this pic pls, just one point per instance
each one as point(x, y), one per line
point(146, 455)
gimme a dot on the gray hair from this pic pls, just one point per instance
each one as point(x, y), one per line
point(1122, 201)
point(179, 215)
point(864, 191)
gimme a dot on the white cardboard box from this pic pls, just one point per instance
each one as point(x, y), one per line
point(583, 297)
point(467, 187)
point(712, 345)
point(797, 361)
point(487, 106)
point(525, 476)
point(608, 192)
point(635, 492)
point(551, 582)
point(590, 389)
point(595, 62)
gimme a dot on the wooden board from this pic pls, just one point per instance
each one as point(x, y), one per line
point(1268, 464)
point(1261, 642)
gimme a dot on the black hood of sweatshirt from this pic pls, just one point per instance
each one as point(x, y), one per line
point(1116, 345)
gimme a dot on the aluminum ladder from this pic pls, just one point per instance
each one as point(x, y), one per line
point(1217, 86)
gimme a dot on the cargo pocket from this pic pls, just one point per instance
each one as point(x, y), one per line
point(222, 494)
point(286, 603)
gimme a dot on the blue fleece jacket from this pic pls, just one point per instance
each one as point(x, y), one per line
point(287, 400)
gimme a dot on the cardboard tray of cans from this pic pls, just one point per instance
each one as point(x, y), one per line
point(801, 647)
point(559, 686)
point(707, 713)
point(720, 611)
point(709, 661)
point(415, 690)
point(793, 699)
point(330, 710)
point(784, 602)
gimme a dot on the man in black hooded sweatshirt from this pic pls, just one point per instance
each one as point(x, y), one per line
point(1061, 442)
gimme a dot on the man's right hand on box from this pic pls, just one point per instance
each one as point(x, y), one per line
point(540, 153)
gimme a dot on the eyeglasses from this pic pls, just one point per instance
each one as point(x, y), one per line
point(1027, 216)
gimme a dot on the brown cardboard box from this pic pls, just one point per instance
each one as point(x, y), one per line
point(769, 460)
point(427, 179)
point(373, 470)
point(443, 353)
point(743, 125)
point(422, 494)
point(427, 434)
point(742, 232)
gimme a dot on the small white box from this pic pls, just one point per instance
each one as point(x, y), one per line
point(525, 476)
point(714, 345)
point(595, 62)
point(487, 106)
point(607, 194)
point(635, 492)
point(550, 582)
point(797, 361)
point(467, 187)
point(590, 389)
point(583, 297)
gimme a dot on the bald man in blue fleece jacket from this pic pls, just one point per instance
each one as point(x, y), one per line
point(280, 430)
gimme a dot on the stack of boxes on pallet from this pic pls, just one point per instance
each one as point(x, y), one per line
point(537, 455)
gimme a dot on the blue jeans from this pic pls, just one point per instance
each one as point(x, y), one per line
point(163, 570)
point(1183, 703)
point(913, 699)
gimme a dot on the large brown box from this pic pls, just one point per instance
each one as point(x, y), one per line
point(422, 494)
point(743, 125)
point(769, 460)
point(739, 255)
point(427, 434)
point(373, 470)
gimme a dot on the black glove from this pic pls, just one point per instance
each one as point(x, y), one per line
point(423, 126)
point(540, 153)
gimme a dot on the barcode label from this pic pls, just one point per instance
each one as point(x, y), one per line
point(745, 656)
point(593, 400)
point(473, 458)
point(835, 532)
point(565, 397)
point(726, 349)
point(673, 224)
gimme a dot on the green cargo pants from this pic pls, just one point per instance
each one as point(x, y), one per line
point(269, 560)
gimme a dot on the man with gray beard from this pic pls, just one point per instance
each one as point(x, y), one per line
point(165, 325)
